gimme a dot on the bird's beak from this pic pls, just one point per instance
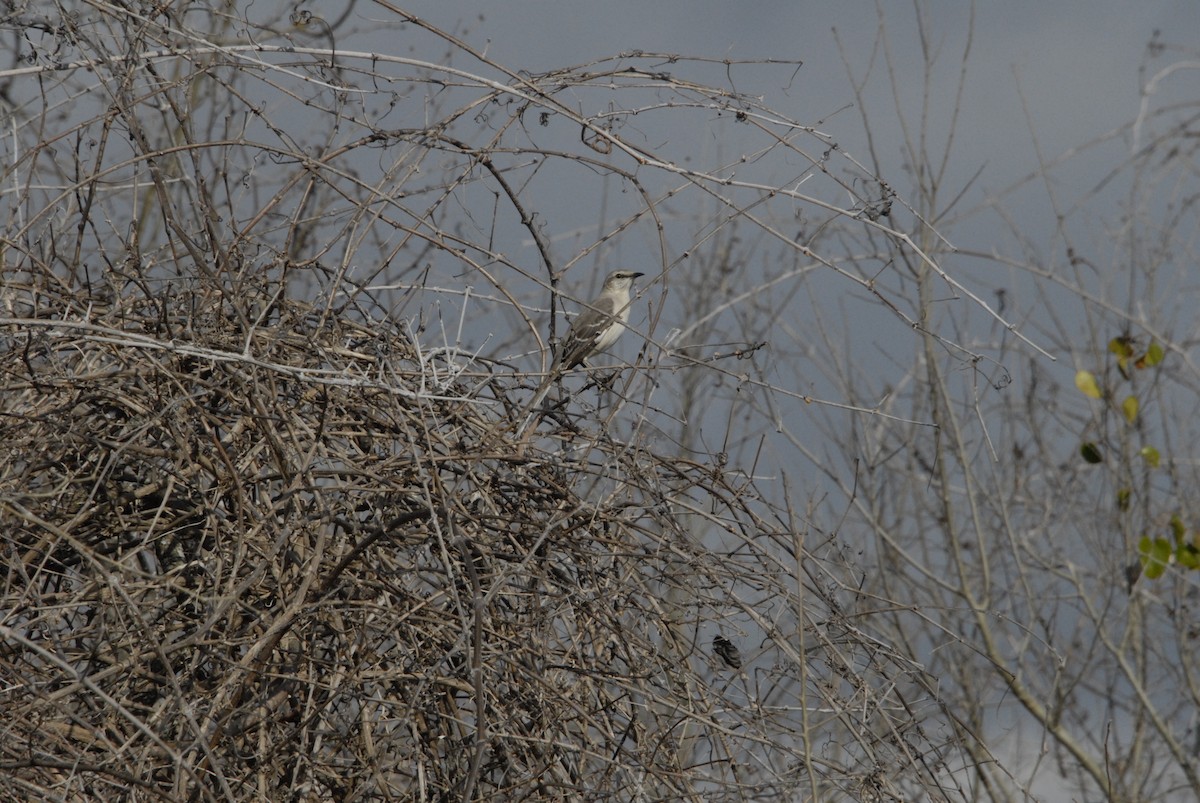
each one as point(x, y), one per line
point(637, 275)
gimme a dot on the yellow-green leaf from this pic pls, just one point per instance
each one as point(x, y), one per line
point(1130, 408)
point(1091, 453)
point(1154, 355)
point(1086, 382)
point(1155, 554)
point(1178, 529)
point(1150, 455)
point(1121, 346)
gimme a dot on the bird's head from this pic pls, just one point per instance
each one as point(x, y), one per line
point(621, 279)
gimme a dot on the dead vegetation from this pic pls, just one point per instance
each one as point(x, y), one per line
point(282, 561)
point(265, 535)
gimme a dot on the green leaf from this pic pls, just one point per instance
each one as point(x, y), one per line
point(1178, 529)
point(1091, 453)
point(1130, 408)
point(1150, 455)
point(1086, 382)
point(1155, 555)
point(1121, 346)
point(1154, 355)
point(1185, 550)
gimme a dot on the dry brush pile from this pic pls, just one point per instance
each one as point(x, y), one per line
point(261, 538)
point(299, 557)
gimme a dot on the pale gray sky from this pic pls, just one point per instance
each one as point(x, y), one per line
point(1076, 63)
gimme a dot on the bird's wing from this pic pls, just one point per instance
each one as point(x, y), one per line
point(586, 329)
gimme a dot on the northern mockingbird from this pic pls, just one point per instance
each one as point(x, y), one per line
point(593, 330)
point(600, 324)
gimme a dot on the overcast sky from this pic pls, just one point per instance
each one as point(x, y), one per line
point(1076, 63)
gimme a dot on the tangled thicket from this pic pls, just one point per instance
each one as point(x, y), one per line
point(261, 538)
point(294, 558)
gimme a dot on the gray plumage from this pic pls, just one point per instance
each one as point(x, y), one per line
point(601, 323)
point(595, 329)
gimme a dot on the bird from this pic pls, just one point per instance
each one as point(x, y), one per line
point(600, 324)
point(728, 653)
point(594, 330)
